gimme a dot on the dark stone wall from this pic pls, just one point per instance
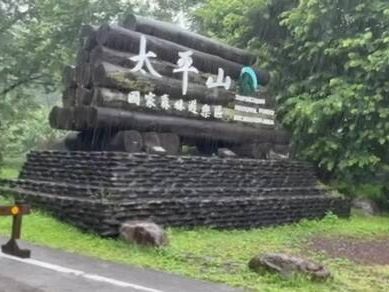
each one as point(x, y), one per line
point(96, 191)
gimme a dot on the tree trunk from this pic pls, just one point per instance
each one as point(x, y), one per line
point(119, 38)
point(173, 33)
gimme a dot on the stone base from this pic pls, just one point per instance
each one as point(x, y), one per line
point(97, 191)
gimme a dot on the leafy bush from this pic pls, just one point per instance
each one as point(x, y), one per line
point(330, 62)
point(31, 132)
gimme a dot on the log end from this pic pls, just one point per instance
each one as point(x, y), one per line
point(102, 34)
point(53, 117)
point(130, 22)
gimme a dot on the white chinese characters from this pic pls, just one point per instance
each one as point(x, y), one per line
point(154, 102)
point(220, 82)
point(246, 109)
point(144, 59)
point(185, 63)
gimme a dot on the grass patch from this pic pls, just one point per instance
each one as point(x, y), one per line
point(222, 256)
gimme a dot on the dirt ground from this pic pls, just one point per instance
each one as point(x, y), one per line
point(361, 251)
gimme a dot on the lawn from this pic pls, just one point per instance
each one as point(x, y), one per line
point(222, 256)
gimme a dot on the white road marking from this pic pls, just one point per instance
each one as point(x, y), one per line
point(79, 273)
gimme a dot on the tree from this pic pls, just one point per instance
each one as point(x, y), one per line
point(330, 62)
point(38, 38)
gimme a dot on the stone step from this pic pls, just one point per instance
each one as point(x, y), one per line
point(104, 217)
point(96, 191)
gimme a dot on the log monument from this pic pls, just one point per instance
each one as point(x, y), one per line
point(170, 126)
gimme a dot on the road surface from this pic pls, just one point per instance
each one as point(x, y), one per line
point(51, 270)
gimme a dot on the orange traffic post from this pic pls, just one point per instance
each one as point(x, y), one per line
point(16, 211)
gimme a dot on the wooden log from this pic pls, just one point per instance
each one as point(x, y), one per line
point(151, 139)
point(282, 149)
point(173, 33)
point(69, 77)
point(119, 38)
point(89, 118)
point(82, 117)
point(170, 142)
point(253, 150)
point(83, 56)
point(69, 97)
point(76, 142)
point(71, 118)
point(83, 75)
point(87, 36)
point(61, 117)
point(152, 144)
point(53, 118)
point(111, 76)
point(102, 54)
point(105, 97)
point(127, 141)
point(84, 96)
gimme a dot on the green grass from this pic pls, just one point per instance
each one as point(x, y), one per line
point(222, 256)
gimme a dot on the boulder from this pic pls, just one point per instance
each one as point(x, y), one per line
point(365, 206)
point(288, 265)
point(143, 233)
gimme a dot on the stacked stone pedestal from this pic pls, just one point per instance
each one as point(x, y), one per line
point(97, 191)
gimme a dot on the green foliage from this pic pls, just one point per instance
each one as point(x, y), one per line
point(37, 39)
point(169, 10)
point(377, 192)
point(330, 62)
point(30, 132)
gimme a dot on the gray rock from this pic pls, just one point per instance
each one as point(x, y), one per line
point(156, 150)
point(365, 206)
point(277, 156)
point(225, 153)
point(143, 233)
point(288, 265)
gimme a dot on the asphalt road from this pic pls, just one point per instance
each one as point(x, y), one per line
point(55, 271)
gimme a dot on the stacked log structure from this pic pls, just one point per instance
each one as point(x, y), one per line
point(97, 88)
point(123, 160)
